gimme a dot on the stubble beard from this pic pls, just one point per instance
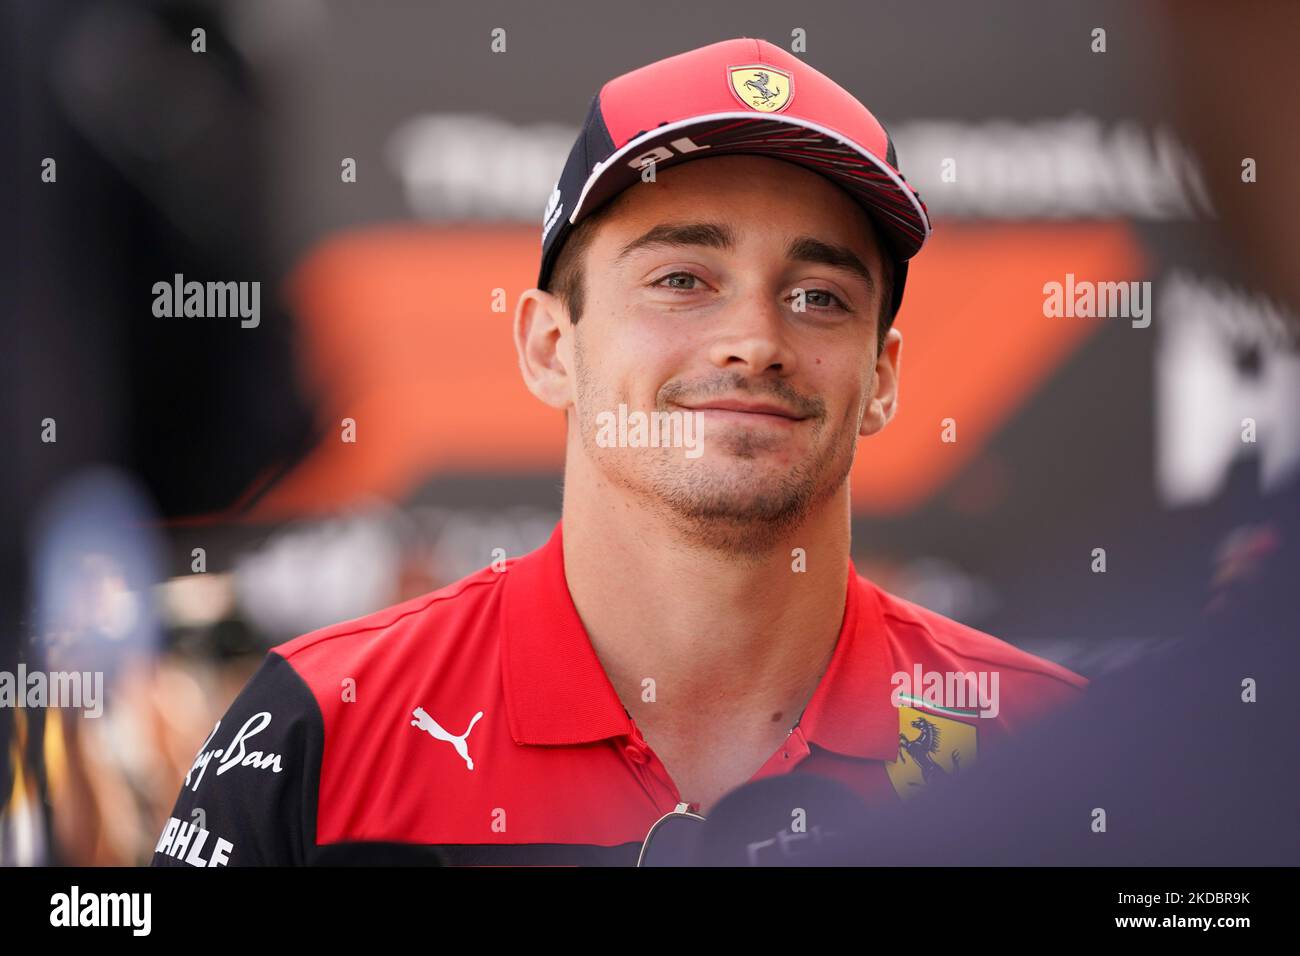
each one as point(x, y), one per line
point(727, 512)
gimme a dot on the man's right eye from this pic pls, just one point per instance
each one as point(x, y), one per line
point(688, 276)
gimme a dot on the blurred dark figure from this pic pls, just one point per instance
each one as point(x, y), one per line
point(159, 168)
point(1186, 770)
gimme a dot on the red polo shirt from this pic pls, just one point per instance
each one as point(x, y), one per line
point(367, 722)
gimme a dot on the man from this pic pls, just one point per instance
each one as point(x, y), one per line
point(694, 622)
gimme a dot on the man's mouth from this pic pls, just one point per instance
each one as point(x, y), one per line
point(750, 411)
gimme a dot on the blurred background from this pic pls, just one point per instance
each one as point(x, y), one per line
point(177, 496)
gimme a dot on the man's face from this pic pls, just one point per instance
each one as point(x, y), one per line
point(692, 304)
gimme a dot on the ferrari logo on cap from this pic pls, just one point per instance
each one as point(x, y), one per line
point(762, 88)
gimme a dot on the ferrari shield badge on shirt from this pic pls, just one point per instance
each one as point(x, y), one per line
point(932, 750)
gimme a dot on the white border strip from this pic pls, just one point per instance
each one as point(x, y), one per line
point(785, 118)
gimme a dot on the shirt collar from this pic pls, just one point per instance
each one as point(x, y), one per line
point(558, 693)
point(556, 690)
point(851, 712)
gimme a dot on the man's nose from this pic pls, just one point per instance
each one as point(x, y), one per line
point(752, 331)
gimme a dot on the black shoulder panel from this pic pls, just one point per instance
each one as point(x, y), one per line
point(250, 797)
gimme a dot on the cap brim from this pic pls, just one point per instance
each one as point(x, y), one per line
point(880, 189)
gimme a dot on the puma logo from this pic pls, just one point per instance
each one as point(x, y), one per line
point(427, 723)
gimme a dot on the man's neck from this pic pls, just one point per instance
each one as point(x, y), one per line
point(728, 643)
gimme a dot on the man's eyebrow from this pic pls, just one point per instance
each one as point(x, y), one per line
point(712, 234)
point(720, 236)
point(810, 249)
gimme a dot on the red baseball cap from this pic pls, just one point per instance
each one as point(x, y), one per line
point(737, 96)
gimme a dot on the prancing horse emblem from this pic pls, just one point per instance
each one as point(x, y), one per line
point(932, 750)
point(922, 749)
point(763, 88)
point(759, 85)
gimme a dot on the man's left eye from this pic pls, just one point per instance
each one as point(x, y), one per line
point(687, 276)
point(821, 298)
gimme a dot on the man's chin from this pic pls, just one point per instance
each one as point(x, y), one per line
point(737, 517)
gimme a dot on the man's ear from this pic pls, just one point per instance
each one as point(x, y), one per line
point(884, 400)
point(541, 338)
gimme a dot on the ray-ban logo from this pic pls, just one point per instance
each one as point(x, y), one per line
point(236, 753)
